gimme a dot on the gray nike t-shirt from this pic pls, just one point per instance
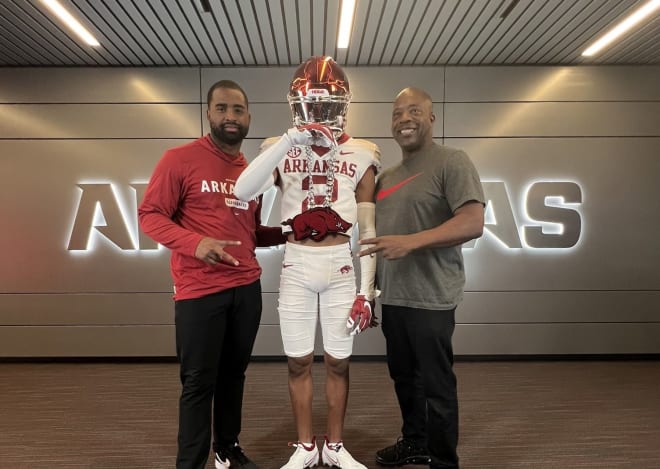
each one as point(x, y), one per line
point(420, 193)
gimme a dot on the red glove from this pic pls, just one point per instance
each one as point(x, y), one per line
point(362, 315)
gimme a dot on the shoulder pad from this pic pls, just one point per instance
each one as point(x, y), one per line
point(270, 141)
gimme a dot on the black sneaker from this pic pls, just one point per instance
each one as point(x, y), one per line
point(404, 451)
point(233, 456)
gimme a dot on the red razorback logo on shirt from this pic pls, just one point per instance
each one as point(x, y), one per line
point(390, 190)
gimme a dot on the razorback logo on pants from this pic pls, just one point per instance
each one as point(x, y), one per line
point(317, 223)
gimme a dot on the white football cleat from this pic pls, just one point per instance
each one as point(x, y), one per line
point(304, 456)
point(337, 456)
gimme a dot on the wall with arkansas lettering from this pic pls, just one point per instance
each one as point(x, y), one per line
point(569, 158)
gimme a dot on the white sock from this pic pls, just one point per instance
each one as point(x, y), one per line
point(334, 446)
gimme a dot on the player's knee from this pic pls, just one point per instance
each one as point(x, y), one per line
point(337, 366)
point(300, 366)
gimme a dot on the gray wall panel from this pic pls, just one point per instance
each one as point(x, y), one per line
point(98, 309)
point(370, 342)
point(269, 342)
point(473, 339)
point(86, 309)
point(87, 341)
point(269, 313)
point(550, 339)
point(369, 113)
point(268, 120)
point(373, 121)
point(112, 297)
point(525, 307)
point(99, 85)
point(382, 85)
point(615, 176)
point(264, 85)
point(611, 83)
point(97, 121)
point(40, 264)
point(365, 120)
point(620, 119)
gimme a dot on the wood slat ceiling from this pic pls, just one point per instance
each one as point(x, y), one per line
point(286, 32)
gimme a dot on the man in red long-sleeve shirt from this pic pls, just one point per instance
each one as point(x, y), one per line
point(190, 208)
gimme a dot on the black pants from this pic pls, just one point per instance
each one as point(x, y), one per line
point(420, 360)
point(214, 339)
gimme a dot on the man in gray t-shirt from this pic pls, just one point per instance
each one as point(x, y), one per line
point(426, 208)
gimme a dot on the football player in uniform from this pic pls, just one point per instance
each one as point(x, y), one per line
point(327, 180)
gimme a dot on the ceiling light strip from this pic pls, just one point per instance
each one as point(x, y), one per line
point(345, 23)
point(623, 27)
point(71, 22)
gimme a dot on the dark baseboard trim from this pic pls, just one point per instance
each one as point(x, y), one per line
point(88, 359)
point(356, 358)
point(561, 357)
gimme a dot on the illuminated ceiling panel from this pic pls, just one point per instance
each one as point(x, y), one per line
point(273, 32)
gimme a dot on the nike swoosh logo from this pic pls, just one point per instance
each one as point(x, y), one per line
point(391, 190)
point(342, 152)
point(310, 460)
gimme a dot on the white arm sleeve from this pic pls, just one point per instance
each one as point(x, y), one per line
point(258, 176)
point(366, 218)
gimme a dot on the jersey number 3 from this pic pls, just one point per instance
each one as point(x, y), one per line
point(319, 182)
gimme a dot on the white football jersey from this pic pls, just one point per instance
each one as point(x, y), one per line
point(352, 159)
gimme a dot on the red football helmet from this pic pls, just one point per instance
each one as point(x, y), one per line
point(319, 93)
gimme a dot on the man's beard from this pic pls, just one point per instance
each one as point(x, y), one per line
point(230, 138)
